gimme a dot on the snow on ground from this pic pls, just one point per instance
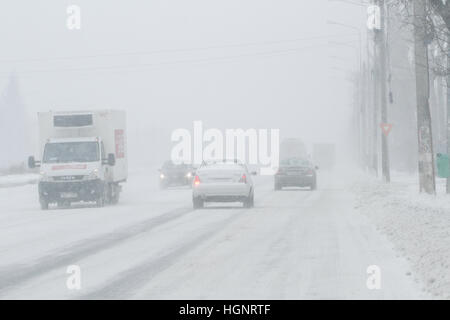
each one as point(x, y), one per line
point(295, 244)
point(417, 224)
point(26, 232)
point(18, 180)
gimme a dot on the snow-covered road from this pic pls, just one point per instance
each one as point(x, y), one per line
point(294, 244)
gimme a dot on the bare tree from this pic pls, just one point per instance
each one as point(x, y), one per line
point(425, 137)
point(385, 166)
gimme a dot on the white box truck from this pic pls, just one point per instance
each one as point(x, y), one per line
point(83, 157)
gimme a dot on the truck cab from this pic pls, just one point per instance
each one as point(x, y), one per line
point(76, 167)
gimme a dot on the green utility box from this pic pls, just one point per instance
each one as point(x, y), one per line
point(443, 165)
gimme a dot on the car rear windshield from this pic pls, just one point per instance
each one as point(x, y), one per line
point(294, 162)
point(172, 166)
point(224, 166)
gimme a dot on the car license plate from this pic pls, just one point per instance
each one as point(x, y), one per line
point(67, 195)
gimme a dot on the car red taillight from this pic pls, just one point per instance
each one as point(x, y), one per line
point(243, 179)
point(196, 181)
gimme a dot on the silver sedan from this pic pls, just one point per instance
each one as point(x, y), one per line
point(224, 181)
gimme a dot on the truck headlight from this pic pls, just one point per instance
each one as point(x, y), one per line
point(94, 175)
point(44, 177)
point(189, 175)
point(162, 176)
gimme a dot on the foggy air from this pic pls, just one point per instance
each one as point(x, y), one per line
point(224, 150)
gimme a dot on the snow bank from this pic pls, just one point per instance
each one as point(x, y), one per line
point(18, 180)
point(418, 225)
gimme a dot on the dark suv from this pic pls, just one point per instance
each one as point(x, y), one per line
point(172, 174)
point(296, 172)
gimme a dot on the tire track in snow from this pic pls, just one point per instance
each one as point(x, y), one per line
point(14, 275)
point(136, 277)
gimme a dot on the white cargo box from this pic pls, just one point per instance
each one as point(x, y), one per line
point(108, 125)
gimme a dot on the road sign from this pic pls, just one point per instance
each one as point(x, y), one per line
point(386, 128)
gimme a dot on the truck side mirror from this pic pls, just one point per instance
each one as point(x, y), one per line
point(317, 167)
point(32, 163)
point(111, 159)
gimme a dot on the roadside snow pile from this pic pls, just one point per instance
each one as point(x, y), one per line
point(18, 180)
point(418, 225)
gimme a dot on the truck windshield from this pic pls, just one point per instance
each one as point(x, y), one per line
point(64, 152)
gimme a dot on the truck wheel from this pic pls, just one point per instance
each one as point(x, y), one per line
point(100, 202)
point(249, 202)
point(109, 193)
point(102, 197)
point(314, 185)
point(44, 204)
point(115, 194)
point(112, 196)
point(115, 198)
point(198, 203)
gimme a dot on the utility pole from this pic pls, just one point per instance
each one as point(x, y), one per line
point(425, 136)
point(448, 108)
point(375, 77)
point(382, 48)
point(365, 115)
point(370, 100)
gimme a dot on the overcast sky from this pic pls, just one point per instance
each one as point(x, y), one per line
point(229, 63)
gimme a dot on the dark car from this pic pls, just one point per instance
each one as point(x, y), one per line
point(172, 174)
point(295, 172)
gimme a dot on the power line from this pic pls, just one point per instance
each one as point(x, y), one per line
point(235, 45)
point(176, 62)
